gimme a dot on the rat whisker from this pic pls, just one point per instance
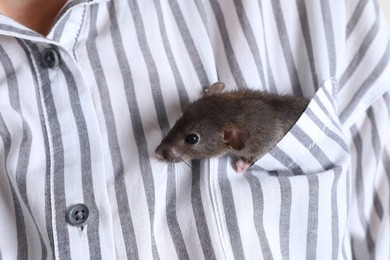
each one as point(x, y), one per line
point(162, 182)
point(187, 163)
point(164, 173)
point(182, 168)
point(158, 130)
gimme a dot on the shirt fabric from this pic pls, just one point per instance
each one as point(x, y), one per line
point(83, 129)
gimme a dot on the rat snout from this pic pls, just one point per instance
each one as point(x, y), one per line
point(167, 153)
point(159, 153)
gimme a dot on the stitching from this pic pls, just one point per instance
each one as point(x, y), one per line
point(46, 129)
point(79, 33)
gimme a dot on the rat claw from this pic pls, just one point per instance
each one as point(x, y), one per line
point(242, 166)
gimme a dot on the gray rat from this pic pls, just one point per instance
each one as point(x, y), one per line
point(243, 123)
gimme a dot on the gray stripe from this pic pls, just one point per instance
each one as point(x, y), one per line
point(286, 48)
point(353, 243)
point(366, 85)
point(58, 159)
point(353, 21)
point(189, 43)
point(284, 218)
point(195, 196)
point(386, 164)
point(326, 164)
point(25, 147)
point(60, 28)
point(202, 11)
point(21, 236)
point(348, 192)
point(304, 20)
point(183, 96)
point(230, 210)
point(282, 173)
point(258, 213)
point(250, 38)
point(285, 160)
point(385, 154)
point(230, 56)
point(200, 217)
point(360, 54)
point(173, 224)
point(315, 150)
point(151, 67)
point(312, 221)
point(329, 133)
point(160, 110)
point(347, 209)
point(335, 216)
point(48, 205)
point(360, 192)
point(376, 144)
point(386, 98)
point(21, 175)
point(332, 97)
point(271, 81)
point(334, 91)
point(9, 28)
point(329, 35)
point(378, 205)
point(86, 164)
point(118, 169)
point(172, 221)
point(325, 110)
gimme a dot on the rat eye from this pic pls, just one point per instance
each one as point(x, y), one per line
point(192, 138)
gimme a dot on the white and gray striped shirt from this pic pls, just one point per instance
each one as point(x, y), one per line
point(82, 110)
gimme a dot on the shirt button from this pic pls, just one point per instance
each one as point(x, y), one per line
point(51, 57)
point(78, 215)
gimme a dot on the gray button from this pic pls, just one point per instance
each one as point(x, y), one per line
point(78, 215)
point(51, 57)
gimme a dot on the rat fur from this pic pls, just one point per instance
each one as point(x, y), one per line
point(243, 123)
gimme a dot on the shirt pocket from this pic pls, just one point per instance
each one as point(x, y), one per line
point(301, 188)
point(314, 144)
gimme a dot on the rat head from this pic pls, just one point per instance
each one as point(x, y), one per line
point(200, 133)
point(190, 138)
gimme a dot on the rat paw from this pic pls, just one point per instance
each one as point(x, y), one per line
point(242, 166)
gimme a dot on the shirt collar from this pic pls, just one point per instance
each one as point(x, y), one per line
point(10, 27)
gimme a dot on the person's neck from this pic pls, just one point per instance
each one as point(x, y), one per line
point(38, 15)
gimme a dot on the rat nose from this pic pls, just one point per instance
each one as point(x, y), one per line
point(163, 153)
point(166, 153)
point(159, 153)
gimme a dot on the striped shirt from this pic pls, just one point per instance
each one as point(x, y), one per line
point(82, 110)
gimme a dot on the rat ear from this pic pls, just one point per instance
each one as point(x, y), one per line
point(235, 137)
point(217, 87)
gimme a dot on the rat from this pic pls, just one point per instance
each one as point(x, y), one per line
point(243, 123)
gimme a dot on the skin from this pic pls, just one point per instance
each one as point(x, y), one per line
point(38, 15)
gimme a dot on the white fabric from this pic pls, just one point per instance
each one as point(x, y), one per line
point(85, 131)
